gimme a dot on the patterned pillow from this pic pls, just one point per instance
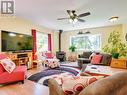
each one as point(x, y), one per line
point(74, 85)
point(96, 59)
point(8, 65)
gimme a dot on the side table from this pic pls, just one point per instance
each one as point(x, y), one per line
point(119, 63)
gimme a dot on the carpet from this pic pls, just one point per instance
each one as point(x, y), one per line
point(42, 77)
point(69, 64)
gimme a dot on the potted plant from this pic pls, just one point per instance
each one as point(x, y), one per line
point(72, 48)
point(115, 46)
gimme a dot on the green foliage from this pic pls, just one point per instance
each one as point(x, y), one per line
point(72, 48)
point(115, 45)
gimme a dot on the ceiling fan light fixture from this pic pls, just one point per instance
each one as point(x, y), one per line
point(70, 20)
point(113, 19)
point(73, 20)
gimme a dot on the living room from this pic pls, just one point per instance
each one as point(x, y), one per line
point(73, 30)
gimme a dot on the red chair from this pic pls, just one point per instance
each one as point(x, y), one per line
point(18, 75)
point(49, 55)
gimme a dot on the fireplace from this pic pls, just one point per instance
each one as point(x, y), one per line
point(61, 55)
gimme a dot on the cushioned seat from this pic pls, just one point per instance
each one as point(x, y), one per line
point(112, 85)
point(18, 74)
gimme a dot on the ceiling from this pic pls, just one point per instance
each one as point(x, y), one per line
point(46, 12)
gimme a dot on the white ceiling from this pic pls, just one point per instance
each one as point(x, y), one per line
point(46, 12)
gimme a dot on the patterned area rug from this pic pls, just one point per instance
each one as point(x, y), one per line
point(42, 77)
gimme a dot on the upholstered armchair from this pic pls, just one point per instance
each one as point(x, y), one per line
point(18, 74)
point(112, 85)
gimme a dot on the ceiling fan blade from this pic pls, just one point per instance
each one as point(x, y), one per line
point(81, 20)
point(84, 14)
point(71, 12)
point(62, 18)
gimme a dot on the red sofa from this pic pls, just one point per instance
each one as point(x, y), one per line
point(18, 75)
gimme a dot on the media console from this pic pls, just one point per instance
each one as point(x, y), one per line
point(22, 59)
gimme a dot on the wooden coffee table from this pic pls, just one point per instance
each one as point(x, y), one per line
point(102, 70)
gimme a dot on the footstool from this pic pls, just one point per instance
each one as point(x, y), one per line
point(52, 63)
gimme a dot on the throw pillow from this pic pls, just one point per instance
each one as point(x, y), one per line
point(74, 85)
point(96, 59)
point(8, 65)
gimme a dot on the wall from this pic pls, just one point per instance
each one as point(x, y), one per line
point(124, 30)
point(104, 31)
point(23, 26)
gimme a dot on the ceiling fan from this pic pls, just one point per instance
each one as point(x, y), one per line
point(73, 17)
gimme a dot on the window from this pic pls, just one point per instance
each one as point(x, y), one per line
point(42, 41)
point(86, 42)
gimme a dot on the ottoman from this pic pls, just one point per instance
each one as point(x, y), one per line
point(52, 63)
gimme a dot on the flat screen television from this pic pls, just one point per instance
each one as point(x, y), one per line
point(15, 42)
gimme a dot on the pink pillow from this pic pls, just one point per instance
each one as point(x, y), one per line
point(8, 65)
point(74, 85)
point(96, 59)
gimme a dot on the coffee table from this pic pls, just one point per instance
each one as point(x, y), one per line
point(101, 70)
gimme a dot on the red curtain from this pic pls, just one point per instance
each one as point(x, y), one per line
point(49, 43)
point(34, 44)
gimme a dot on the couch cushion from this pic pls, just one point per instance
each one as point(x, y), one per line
point(8, 65)
point(86, 54)
point(74, 85)
point(1, 69)
point(96, 59)
point(106, 59)
point(17, 75)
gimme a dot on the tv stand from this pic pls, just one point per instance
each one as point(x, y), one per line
point(22, 59)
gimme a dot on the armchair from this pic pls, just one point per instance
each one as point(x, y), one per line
point(112, 85)
point(17, 75)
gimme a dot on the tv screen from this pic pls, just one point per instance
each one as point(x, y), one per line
point(16, 42)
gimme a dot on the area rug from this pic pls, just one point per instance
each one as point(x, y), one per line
point(42, 77)
point(69, 64)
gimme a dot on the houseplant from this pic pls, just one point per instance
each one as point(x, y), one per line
point(115, 46)
point(72, 48)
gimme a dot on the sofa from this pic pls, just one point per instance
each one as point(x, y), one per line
point(18, 75)
point(85, 58)
point(112, 85)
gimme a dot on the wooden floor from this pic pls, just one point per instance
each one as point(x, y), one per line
point(28, 88)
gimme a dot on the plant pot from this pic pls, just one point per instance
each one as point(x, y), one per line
point(115, 55)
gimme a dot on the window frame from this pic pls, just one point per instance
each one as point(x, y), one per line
point(38, 43)
point(83, 35)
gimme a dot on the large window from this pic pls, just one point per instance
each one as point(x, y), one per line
point(86, 42)
point(42, 41)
